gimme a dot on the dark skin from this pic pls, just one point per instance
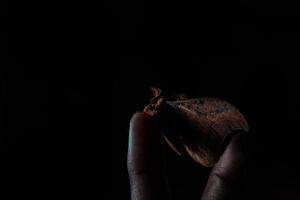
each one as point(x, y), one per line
point(147, 171)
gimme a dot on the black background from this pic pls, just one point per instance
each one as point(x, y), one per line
point(56, 53)
point(245, 52)
point(48, 82)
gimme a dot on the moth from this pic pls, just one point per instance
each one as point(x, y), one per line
point(200, 127)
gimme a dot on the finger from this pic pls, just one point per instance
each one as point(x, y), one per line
point(227, 176)
point(145, 159)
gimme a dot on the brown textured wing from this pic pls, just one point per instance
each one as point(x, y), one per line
point(200, 126)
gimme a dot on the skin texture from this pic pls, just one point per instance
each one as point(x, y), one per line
point(147, 172)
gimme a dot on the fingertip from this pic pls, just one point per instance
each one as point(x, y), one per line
point(144, 152)
point(139, 114)
point(237, 142)
point(140, 118)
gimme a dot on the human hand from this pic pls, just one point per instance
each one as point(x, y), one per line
point(147, 171)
